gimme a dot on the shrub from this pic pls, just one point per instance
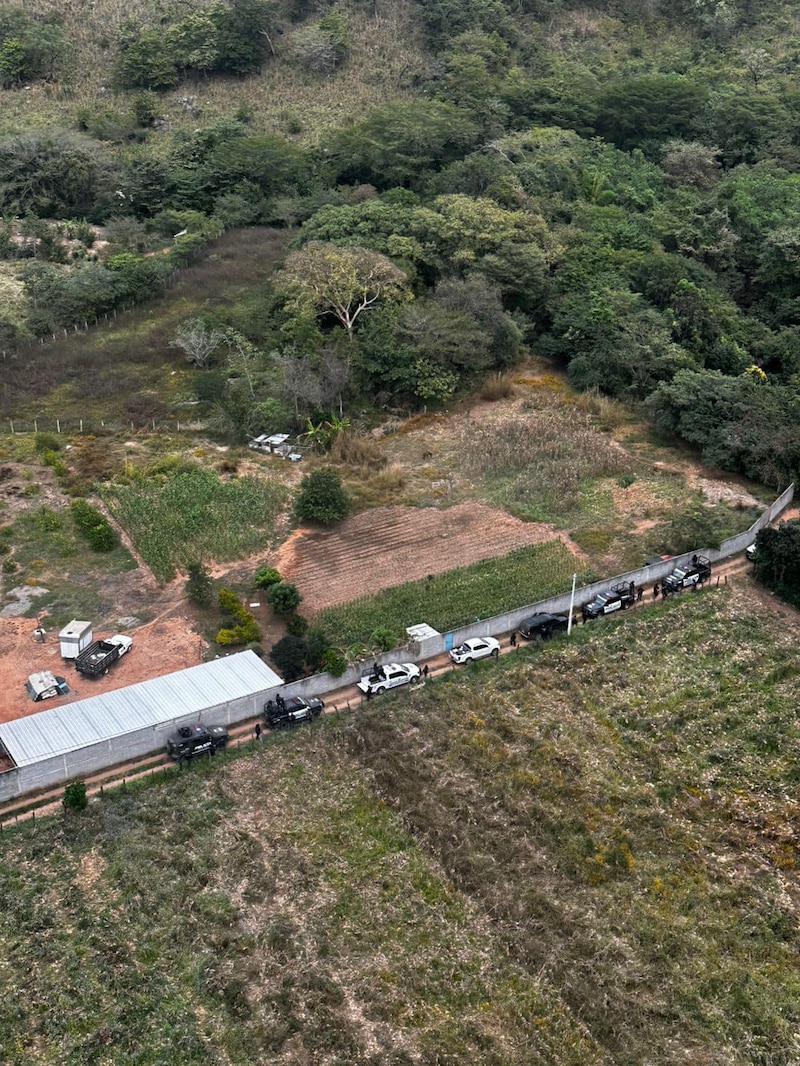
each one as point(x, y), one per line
point(289, 655)
point(46, 442)
point(265, 577)
point(283, 597)
point(334, 662)
point(383, 638)
point(75, 798)
point(296, 625)
point(9, 566)
point(321, 497)
point(93, 526)
point(246, 632)
point(198, 585)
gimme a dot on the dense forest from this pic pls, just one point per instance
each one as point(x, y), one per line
point(613, 184)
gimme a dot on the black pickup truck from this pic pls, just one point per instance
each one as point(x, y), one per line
point(95, 660)
point(193, 740)
point(695, 572)
point(614, 599)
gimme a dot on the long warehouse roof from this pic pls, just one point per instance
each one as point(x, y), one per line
point(127, 710)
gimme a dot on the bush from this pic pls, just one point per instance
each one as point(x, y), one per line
point(296, 625)
point(383, 638)
point(46, 442)
point(93, 527)
point(334, 662)
point(265, 577)
point(283, 597)
point(246, 630)
point(289, 656)
point(321, 497)
point(75, 798)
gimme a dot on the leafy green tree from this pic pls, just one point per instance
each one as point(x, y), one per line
point(638, 110)
point(193, 44)
point(30, 47)
point(199, 590)
point(343, 282)
point(777, 560)
point(56, 175)
point(283, 597)
point(145, 60)
point(749, 126)
point(739, 423)
point(398, 143)
point(289, 656)
point(321, 497)
point(244, 30)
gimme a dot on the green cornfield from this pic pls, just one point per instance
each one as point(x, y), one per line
point(456, 597)
point(195, 515)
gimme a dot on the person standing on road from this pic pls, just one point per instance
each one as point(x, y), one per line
point(425, 671)
point(656, 590)
point(513, 640)
point(639, 593)
point(257, 731)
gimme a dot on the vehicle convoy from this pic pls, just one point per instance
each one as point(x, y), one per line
point(196, 739)
point(390, 675)
point(98, 657)
point(688, 574)
point(279, 713)
point(543, 626)
point(475, 648)
point(614, 599)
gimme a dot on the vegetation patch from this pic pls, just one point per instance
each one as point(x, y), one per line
point(456, 597)
point(194, 514)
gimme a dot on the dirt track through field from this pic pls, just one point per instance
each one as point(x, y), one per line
point(391, 545)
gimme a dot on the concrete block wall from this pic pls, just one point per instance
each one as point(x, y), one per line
point(504, 623)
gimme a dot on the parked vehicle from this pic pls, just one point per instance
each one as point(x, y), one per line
point(44, 685)
point(389, 676)
point(543, 626)
point(96, 660)
point(694, 572)
point(193, 740)
point(617, 598)
point(475, 648)
point(750, 552)
point(279, 713)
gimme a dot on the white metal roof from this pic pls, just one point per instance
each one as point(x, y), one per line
point(75, 628)
point(126, 710)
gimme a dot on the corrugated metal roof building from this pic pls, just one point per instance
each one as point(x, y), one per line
point(92, 734)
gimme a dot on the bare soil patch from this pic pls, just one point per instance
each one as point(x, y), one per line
point(166, 644)
point(391, 545)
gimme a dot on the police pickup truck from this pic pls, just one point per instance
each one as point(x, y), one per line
point(688, 574)
point(614, 599)
point(196, 739)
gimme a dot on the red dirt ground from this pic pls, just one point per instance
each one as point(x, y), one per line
point(391, 545)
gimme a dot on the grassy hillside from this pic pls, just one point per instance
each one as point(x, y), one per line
point(385, 53)
point(586, 854)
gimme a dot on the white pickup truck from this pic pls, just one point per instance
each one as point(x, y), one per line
point(388, 676)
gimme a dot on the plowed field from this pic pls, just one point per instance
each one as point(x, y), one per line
point(391, 545)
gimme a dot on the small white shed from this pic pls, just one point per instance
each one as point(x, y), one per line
point(74, 637)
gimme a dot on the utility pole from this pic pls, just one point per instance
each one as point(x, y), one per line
point(571, 604)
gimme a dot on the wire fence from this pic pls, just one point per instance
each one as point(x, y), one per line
point(76, 426)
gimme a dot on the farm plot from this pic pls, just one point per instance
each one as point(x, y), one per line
point(196, 515)
point(456, 597)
